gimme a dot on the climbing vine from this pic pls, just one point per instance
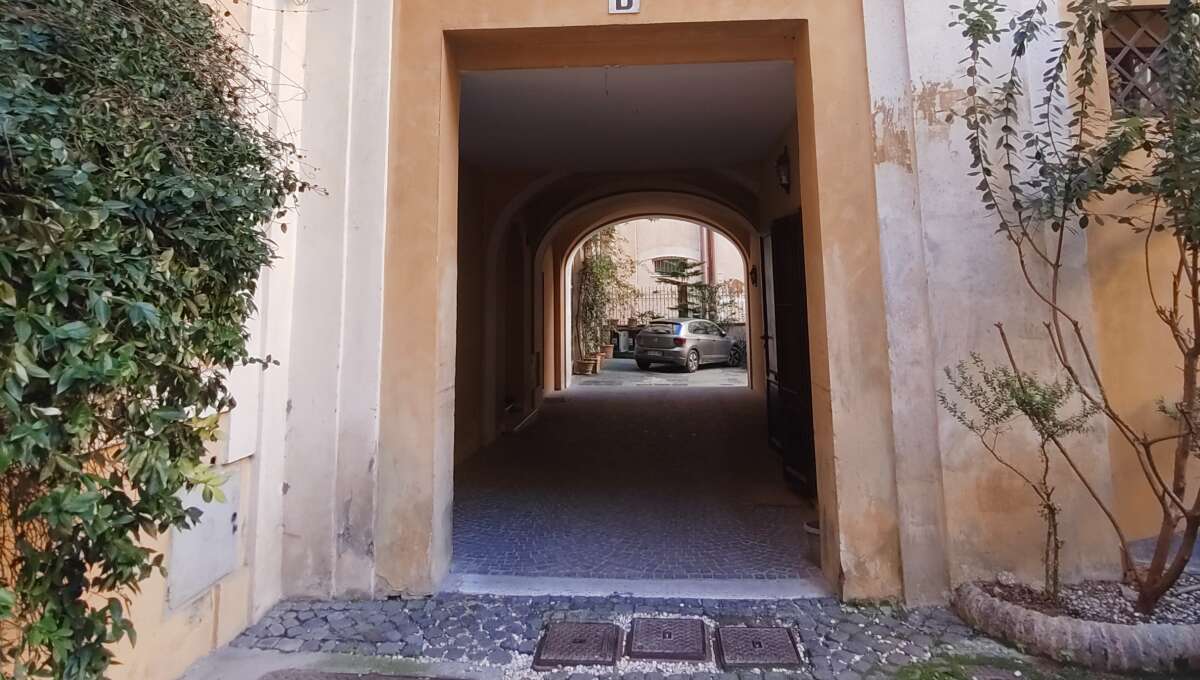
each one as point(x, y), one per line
point(135, 184)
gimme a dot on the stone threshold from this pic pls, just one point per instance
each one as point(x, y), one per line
point(709, 589)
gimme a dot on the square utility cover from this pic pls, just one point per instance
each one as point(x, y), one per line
point(739, 647)
point(670, 639)
point(578, 644)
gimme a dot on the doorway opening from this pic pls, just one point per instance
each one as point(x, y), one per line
point(666, 179)
point(657, 301)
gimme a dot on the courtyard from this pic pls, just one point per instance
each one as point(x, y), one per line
point(625, 373)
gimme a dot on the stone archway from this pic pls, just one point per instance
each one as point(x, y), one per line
point(565, 235)
point(433, 40)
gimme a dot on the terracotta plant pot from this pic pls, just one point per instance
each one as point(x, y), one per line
point(600, 360)
point(584, 367)
point(607, 350)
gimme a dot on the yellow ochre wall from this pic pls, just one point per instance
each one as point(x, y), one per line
point(1139, 361)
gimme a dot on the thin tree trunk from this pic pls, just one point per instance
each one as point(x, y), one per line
point(1153, 592)
point(1053, 581)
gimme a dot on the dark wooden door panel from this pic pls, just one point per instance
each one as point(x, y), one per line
point(789, 374)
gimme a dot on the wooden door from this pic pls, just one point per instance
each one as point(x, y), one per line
point(789, 374)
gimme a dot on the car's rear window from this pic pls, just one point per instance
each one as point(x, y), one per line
point(663, 328)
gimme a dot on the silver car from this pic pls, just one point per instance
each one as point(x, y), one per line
point(686, 343)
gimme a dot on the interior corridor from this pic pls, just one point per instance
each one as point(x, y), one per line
point(643, 483)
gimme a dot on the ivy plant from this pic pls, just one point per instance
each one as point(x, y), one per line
point(136, 187)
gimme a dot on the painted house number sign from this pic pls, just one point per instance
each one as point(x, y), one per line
point(624, 6)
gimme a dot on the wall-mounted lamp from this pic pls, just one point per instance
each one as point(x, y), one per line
point(783, 170)
point(754, 275)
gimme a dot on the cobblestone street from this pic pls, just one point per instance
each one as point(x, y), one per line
point(501, 633)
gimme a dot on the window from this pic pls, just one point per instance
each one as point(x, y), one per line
point(1135, 44)
point(670, 266)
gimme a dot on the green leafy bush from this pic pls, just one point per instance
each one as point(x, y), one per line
point(134, 189)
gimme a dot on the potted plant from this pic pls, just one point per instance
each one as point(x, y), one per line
point(602, 285)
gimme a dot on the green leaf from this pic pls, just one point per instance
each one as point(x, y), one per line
point(8, 295)
point(8, 600)
point(27, 363)
point(75, 330)
point(143, 313)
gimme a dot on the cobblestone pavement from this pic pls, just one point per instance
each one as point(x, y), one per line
point(841, 642)
point(625, 373)
point(647, 483)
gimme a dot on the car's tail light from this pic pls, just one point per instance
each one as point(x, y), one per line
point(680, 342)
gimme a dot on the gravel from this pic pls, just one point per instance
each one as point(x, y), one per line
point(1106, 601)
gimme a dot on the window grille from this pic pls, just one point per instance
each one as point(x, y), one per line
point(670, 266)
point(1135, 45)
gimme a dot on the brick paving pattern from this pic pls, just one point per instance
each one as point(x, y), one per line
point(645, 483)
point(840, 642)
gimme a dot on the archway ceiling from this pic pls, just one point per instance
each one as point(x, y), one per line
point(573, 191)
point(631, 118)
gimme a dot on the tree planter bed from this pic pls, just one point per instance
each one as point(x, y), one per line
point(1099, 646)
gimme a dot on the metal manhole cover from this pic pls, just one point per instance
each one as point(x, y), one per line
point(753, 647)
point(578, 644)
point(670, 639)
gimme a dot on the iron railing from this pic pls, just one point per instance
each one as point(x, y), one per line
point(658, 303)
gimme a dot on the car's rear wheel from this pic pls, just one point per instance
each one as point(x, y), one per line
point(693, 361)
point(643, 364)
point(736, 355)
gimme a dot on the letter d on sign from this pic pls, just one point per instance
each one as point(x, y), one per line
point(624, 6)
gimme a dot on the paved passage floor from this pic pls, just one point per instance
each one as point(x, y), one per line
point(633, 483)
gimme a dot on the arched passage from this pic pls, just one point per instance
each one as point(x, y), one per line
point(566, 234)
point(540, 433)
point(667, 269)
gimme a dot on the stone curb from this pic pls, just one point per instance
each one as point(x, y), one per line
point(1098, 646)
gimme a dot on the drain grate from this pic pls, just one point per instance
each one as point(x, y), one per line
point(669, 639)
point(751, 647)
point(578, 644)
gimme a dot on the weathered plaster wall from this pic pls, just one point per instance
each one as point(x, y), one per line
point(1130, 339)
point(920, 494)
point(329, 501)
point(949, 280)
point(651, 238)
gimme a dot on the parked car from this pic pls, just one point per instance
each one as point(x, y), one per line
point(686, 343)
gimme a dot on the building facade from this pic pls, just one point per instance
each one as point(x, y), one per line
point(466, 148)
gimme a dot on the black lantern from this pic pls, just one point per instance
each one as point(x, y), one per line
point(783, 170)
